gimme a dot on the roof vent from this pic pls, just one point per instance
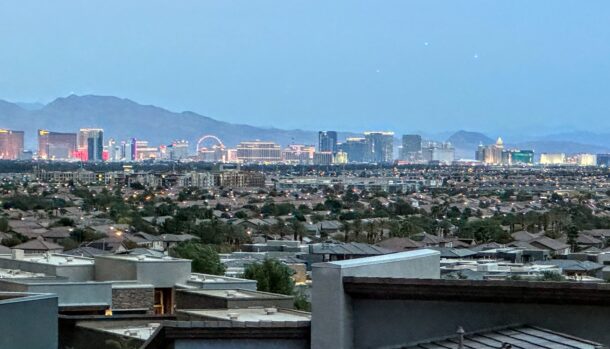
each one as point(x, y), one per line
point(141, 258)
point(231, 293)
point(69, 259)
point(233, 316)
point(270, 311)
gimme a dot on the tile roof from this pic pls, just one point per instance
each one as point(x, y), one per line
point(38, 245)
point(352, 248)
point(399, 244)
point(572, 265)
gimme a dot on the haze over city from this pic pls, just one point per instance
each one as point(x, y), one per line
point(407, 66)
point(231, 174)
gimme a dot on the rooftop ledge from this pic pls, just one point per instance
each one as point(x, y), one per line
point(386, 258)
point(478, 291)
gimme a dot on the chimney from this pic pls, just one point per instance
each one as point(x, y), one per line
point(17, 254)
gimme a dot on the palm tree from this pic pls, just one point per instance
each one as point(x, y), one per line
point(298, 229)
point(357, 228)
point(346, 229)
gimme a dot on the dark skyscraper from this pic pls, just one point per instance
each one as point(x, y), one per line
point(380, 147)
point(327, 141)
point(56, 145)
point(91, 141)
point(411, 148)
point(355, 149)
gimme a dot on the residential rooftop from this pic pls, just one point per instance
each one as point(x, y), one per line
point(18, 274)
point(236, 294)
point(141, 258)
point(251, 314)
point(52, 259)
point(139, 331)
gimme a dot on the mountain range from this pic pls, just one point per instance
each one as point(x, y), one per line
point(122, 119)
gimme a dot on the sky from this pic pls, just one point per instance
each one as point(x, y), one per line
point(426, 66)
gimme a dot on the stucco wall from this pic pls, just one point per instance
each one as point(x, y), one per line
point(331, 323)
point(72, 272)
point(29, 323)
point(157, 273)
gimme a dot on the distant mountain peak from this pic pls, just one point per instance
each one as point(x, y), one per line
point(469, 138)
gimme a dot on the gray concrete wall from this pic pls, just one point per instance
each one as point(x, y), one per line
point(240, 343)
point(76, 273)
point(72, 272)
point(406, 321)
point(160, 273)
point(77, 293)
point(29, 322)
point(110, 269)
point(68, 293)
point(191, 300)
point(331, 323)
point(221, 285)
point(164, 273)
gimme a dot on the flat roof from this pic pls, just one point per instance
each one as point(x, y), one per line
point(137, 331)
point(209, 278)
point(53, 259)
point(252, 314)
point(391, 257)
point(18, 274)
point(235, 294)
point(143, 258)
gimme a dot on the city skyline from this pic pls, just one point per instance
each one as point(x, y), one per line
point(399, 69)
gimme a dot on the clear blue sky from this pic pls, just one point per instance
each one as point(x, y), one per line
point(350, 65)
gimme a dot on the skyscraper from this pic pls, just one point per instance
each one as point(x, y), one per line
point(11, 144)
point(259, 152)
point(411, 148)
point(178, 150)
point(380, 146)
point(91, 142)
point(355, 148)
point(491, 154)
point(56, 145)
point(327, 141)
point(444, 153)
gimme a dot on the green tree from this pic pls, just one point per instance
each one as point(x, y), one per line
point(550, 276)
point(300, 301)
point(485, 230)
point(205, 258)
point(298, 229)
point(4, 227)
point(572, 236)
point(271, 276)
